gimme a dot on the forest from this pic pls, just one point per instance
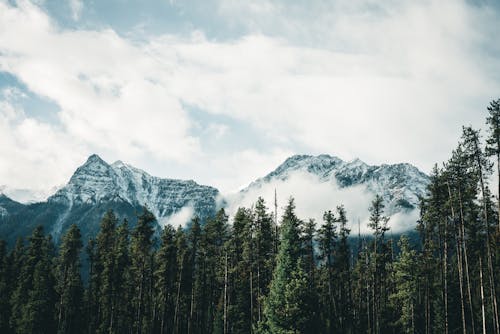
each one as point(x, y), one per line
point(259, 273)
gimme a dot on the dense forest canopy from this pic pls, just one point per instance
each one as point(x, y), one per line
point(255, 274)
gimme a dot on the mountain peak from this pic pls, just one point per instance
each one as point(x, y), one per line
point(396, 183)
point(94, 158)
point(97, 182)
point(94, 166)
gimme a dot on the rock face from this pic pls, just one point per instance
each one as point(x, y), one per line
point(400, 185)
point(96, 187)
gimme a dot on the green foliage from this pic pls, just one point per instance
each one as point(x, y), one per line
point(34, 298)
point(288, 308)
point(141, 271)
point(216, 277)
point(69, 286)
point(406, 276)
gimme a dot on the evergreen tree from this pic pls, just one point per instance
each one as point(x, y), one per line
point(104, 269)
point(91, 293)
point(238, 316)
point(493, 143)
point(406, 279)
point(327, 239)
point(481, 168)
point(264, 253)
point(195, 280)
point(165, 280)
point(69, 285)
point(4, 288)
point(183, 282)
point(287, 308)
point(343, 267)
point(379, 259)
point(34, 298)
point(122, 289)
point(141, 271)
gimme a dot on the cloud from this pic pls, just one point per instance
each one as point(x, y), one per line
point(35, 155)
point(364, 80)
point(313, 197)
point(105, 86)
point(76, 9)
point(180, 218)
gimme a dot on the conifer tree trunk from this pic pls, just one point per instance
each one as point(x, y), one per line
point(459, 259)
point(368, 297)
point(251, 298)
point(491, 277)
point(466, 261)
point(178, 298)
point(483, 316)
point(498, 189)
point(139, 307)
point(445, 270)
point(461, 279)
point(225, 295)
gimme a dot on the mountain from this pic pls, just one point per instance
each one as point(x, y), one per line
point(330, 180)
point(96, 187)
point(318, 183)
point(27, 196)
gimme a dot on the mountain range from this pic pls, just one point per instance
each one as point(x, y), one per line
point(97, 186)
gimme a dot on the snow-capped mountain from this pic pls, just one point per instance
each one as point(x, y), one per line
point(324, 181)
point(400, 184)
point(96, 181)
point(318, 183)
point(96, 187)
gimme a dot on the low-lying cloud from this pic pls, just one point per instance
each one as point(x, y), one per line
point(179, 218)
point(314, 196)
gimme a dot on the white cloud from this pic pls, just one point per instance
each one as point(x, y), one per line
point(235, 171)
point(35, 155)
point(347, 79)
point(180, 218)
point(313, 197)
point(76, 9)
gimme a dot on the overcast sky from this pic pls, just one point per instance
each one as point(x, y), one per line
point(222, 91)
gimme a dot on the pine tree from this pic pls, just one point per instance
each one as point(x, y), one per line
point(34, 298)
point(238, 317)
point(378, 223)
point(264, 253)
point(327, 239)
point(142, 271)
point(196, 277)
point(4, 288)
point(436, 228)
point(121, 295)
point(91, 293)
point(287, 308)
point(406, 279)
point(165, 280)
point(481, 167)
point(214, 238)
point(69, 285)
point(183, 277)
point(343, 267)
point(493, 143)
point(104, 268)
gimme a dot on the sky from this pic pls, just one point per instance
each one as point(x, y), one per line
point(223, 91)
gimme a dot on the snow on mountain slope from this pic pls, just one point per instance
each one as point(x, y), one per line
point(322, 182)
point(27, 196)
point(318, 183)
point(97, 181)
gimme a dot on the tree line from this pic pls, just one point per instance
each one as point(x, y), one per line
point(254, 274)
